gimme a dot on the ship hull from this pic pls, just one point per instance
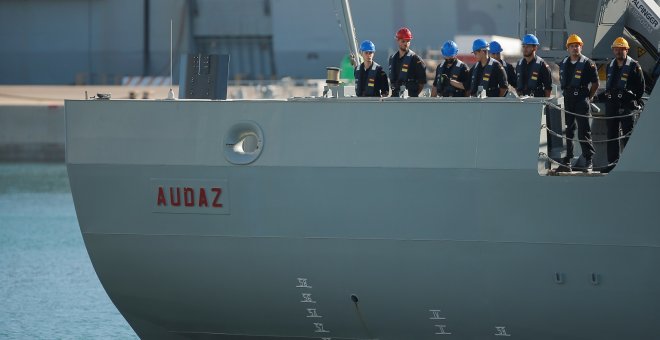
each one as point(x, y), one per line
point(344, 229)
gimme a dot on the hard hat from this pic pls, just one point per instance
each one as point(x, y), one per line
point(495, 47)
point(367, 46)
point(530, 39)
point(620, 42)
point(449, 49)
point(479, 44)
point(572, 39)
point(404, 33)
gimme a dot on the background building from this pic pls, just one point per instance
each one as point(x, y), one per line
point(103, 41)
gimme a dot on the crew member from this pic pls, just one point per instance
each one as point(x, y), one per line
point(370, 78)
point(487, 72)
point(576, 73)
point(623, 94)
point(452, 76)
point(406, 68)
point(533, 73)
point(496, 53)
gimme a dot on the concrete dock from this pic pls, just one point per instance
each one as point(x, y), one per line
point(32, 117)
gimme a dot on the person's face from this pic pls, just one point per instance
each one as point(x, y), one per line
point(481, 55)
point(404, 44)
point(620, 52)
point(368, 56)
point(497, 56)
point(574, 49)
point(528, 50)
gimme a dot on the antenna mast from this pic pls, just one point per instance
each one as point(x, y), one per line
point(350, 30)
point(170, 95)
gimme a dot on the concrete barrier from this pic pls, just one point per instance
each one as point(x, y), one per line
point(32, 133)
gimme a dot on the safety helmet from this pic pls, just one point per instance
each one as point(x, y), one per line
point(621, 42)
point(449, 49)
point(572, 39)
point(404, 33)
point(530, 39)
point(367, 46)
point(495, 47)
point(479, 44)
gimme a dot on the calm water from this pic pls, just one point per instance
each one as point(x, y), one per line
point(48, 287)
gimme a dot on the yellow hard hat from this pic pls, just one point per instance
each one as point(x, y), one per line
point(620, 42)
point(572, 39)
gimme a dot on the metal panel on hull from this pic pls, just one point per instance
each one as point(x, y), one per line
point(335, 133)
point(423, 209)
point(241, 285)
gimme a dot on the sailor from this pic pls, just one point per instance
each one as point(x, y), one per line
point(496, 53)
point(623, 94)
point(533, 73)
point(406, 68)
point(576, 73)
point(452, 76)
point(487, 72)
point(370, 78)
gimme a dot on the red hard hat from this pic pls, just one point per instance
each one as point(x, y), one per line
point(404, 33)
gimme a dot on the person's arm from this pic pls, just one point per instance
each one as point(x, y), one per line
point(594, 81)
point(457, 84)
point(547, 79)
point(434, 88)
point(640, 84)
point(385, 85)
point(422, 79)
point(592, 91)
point(511, 76)
point(391, 70)
point(468, 86)
point(503, 84)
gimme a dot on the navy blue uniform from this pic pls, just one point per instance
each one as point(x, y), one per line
point(623, 93)
point(409, 70)
point(575, 80)
point(534, 78)
point(510, 70)
point(372, 82)
point(492, 77)
point(456, 70)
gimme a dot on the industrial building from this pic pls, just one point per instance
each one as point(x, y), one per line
point(107, 42)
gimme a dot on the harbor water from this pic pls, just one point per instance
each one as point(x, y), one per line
point(48, 287)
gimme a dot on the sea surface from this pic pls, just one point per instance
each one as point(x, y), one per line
point(48, 287)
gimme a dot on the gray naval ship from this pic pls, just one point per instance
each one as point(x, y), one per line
point(356, 218)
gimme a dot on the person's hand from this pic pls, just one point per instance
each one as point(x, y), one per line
point(445, 80)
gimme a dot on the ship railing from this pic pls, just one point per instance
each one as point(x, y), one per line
point(627, 135)
point(558, 107)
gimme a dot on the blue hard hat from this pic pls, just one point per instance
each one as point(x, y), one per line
point(449, 49)
point(367, 46)
point(495, 47)
point(530, 39)
point(479, 44)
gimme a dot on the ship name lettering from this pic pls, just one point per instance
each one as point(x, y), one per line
point(188, 196)
point(217, 191)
